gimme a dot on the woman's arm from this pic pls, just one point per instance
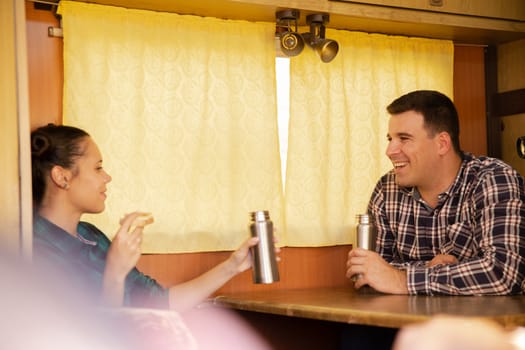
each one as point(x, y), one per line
point(186, 295)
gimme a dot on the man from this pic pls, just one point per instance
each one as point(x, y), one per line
point(447, 222)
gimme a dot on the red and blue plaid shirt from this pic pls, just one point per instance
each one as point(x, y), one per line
point(480, 220)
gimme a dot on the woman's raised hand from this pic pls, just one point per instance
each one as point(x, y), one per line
point(125, 250)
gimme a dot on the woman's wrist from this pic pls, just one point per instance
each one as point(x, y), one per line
point(113, 275)
point(230, 266)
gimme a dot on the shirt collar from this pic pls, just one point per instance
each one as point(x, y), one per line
point(459, 180)
point(58, 237)
point(466, 157)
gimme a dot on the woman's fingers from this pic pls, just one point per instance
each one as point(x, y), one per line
point(142, 220)
point(130, 222)
point(127, 220)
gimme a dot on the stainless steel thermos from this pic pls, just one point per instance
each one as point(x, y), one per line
point(264, 262)
point(366, 232)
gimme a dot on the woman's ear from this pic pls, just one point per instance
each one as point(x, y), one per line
point(60, 176)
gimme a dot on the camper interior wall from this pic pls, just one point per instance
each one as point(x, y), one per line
point(300, 267)
point(15, 187)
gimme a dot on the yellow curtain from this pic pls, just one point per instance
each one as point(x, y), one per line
point(183, 109)
point(338, 126)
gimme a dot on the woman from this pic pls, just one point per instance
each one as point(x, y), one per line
point(68, 181)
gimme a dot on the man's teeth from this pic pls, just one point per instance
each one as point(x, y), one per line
point(400, 164)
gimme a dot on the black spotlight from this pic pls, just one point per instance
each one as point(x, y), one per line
point(291, 43)
point(326, 48)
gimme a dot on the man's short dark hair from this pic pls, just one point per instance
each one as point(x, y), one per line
point(438, 111)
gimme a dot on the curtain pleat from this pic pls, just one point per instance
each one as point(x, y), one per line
point(338, 126)
point(183, 109)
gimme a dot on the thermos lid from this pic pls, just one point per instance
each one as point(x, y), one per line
point(363, 218)
point(260, 215)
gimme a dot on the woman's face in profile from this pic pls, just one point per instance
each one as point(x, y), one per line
point(87, 187)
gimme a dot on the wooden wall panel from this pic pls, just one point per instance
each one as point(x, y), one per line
point(508, 9)
point(45, 64)
point(469, 97)
point(299, 267)
point(511, 66)
point(511, 76)
point(362, 17)
point(9, 114)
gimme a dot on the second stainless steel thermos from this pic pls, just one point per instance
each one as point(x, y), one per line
point(366, 232)
point(365, 235)
point(264, 261)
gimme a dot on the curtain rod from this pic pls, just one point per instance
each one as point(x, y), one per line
point(47, 2)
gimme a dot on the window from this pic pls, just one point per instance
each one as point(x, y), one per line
point(282, 73)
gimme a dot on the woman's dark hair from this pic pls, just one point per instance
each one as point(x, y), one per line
point(53, 145)
point(439, 112)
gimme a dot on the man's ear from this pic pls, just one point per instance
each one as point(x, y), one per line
point(444, 142)
point(60, 176)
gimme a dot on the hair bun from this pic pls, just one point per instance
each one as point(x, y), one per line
point(40, 145)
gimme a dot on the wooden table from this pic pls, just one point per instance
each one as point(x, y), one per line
point(371, 308)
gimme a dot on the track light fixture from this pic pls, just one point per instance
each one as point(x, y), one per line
point(290, 41)
point(326, 48)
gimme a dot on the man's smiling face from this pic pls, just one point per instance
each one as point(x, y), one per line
point(412, 151)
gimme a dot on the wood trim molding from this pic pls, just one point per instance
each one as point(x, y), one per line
point(491, 89)
point(509, 103)
point(358, 16)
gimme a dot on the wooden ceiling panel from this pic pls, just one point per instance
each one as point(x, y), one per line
point(355, 16)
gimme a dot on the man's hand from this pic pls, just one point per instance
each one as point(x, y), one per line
point(442, 259)
point(374, 271)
